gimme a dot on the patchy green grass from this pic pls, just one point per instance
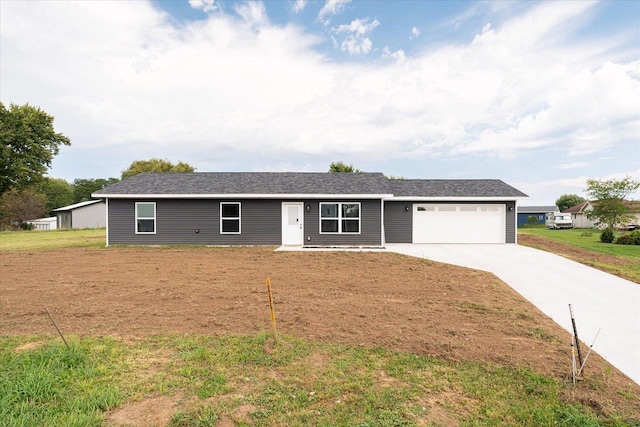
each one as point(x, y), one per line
point(584, 246)
point(295, 383)
point(588, 239)
point(54, 239)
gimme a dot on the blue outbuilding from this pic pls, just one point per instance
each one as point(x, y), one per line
point(524, 212)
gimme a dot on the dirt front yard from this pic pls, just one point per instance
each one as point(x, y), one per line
point(359, 298)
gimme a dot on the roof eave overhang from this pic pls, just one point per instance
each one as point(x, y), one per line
point(456, 199)
point(243, 196)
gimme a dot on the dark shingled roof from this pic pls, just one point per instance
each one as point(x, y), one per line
point(537, 209)
point(452, 188)
point(265, 183)
point(249, 183)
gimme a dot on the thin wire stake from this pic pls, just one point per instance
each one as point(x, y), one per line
point(589, 352)
point(57, 329)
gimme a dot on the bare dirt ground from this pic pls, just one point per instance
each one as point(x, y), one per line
point(366, 299)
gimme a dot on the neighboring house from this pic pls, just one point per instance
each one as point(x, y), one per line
point(579, 215)
point(90, 214)
point(524, 212)
point(43, 224)
point(306, 209)
point(580, 220)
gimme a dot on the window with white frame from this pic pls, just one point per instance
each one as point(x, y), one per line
point(145, 218)
point(339, 218)
point(230, 218)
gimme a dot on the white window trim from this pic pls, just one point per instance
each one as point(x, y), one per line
point(239, 218)
point(155, 214)
point(340, 217)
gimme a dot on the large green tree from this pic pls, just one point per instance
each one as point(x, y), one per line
point(18, 206)
point(58, 193)
point(340, 166)
point(82, 188)
point(567, 201)
point(28, 143)
point(155, 165)
point(609, 206)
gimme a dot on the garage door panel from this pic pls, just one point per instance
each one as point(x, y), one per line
point(433, 223)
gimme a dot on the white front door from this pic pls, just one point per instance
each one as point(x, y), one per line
point(292, 230)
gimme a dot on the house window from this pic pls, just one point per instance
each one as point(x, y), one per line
point(339, 218)
point(145, 218)
point(230, 218)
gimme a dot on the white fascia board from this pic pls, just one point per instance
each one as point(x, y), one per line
point(454, 199)
point(244, 196)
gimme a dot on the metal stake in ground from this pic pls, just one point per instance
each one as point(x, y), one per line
point(273, 315)
point(57, 329)
point(575, 334)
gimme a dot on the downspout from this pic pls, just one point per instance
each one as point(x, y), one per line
point(107, 215)
point(382, 242)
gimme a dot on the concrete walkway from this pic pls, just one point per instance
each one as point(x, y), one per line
point(551, 283)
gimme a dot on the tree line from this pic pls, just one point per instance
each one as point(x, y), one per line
point(28, 144)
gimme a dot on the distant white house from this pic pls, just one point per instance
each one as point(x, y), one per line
point(90, 214)
point(580, 219)
point(43, 224)
point(579, 215)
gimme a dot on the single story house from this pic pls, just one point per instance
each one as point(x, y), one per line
point(580, 219)
point(579, 215)
point(306, 209)
point(90, 214)
point(524, 212)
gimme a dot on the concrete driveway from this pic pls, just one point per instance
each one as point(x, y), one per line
point(551, 283)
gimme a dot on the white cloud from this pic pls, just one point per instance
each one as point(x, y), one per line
point(204, 5)
point(253, 13)
point(298, 6)
point(415, 32)
point(356, 42)
point(121, 80)
point(398, 55)
point(358, 27)
point(573, 165)
point(331, 7)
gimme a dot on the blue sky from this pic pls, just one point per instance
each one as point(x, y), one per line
point(542, 95)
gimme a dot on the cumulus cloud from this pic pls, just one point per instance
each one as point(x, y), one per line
point(398, 55)
point(204, 5)
point(415, 32)
point(298, 6)
point(331, 7)
point(356, 41)
point(119, 77)
point(253, 13)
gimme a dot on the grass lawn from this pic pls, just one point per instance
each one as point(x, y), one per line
point(33, 240)
point(586, 239)
point(200, 381)
point(584, 246)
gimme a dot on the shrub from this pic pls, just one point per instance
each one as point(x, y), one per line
point(607, 236)
point(636, 236)
point(625, 240)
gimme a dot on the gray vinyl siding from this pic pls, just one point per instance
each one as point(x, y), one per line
point(398, 222)
point(370, 225)
point(510, 228)
point(178, 220)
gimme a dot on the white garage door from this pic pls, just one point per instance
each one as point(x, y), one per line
point(440, 223)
